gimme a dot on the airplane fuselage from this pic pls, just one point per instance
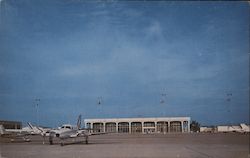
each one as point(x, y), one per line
point(66, 131)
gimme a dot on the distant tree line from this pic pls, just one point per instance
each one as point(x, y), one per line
point(194, 126)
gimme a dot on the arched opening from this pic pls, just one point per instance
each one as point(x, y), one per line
point(110, 127)
point(175, 126)
point(148, 127)
point(162, 127)
point(185, 126)
point(98, 127)
point(123, 127)
point(136, 127)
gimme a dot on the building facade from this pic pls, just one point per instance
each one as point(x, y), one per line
point(139, 125)
point(11, 124)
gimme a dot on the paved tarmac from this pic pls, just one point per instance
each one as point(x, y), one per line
point(191, 145)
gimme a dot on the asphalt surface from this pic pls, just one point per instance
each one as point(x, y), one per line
point(191, 145)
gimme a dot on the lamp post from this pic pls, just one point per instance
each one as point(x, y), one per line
point(99, 105)
point(162, 102)
point(37, 100)
point(229, 99)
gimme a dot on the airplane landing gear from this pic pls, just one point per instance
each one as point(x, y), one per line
point(86, 139)
point(62, 144)
point(51, 140)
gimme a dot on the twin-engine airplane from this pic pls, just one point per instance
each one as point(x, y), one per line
point(67, 131)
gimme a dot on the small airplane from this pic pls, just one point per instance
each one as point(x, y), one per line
point(16, 133)
point(39, 130)
point(67, 131)
point(23, 133)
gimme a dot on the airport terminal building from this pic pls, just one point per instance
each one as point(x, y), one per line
point(139, 125)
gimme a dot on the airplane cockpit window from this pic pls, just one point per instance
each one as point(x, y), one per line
point(66, 127)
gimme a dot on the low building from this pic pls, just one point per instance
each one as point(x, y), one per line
point(139, 125)
point(234, 128)
point(245, 127)
point(11, 124)
point(208, 129)
point(205, 129)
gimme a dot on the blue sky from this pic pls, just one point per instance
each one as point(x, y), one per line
point(70, 53)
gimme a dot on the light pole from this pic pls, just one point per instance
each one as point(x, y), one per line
point(162, 102)
point(99, 103)
point(37, 100)
point(229, 98)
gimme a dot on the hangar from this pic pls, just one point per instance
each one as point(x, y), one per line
point(139, 125)
point(11, 124)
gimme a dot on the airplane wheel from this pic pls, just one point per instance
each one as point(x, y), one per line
point(86, 140)
point(51, 139)
point(27, 140)
point(51, 142)
point(62, 144)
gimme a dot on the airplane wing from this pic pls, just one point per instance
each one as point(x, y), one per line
point(13, 136)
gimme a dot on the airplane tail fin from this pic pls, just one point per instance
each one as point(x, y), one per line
point(30, 125)
point(2, 130)
point(35, 129)
point(79, 121)
point(40, 130)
